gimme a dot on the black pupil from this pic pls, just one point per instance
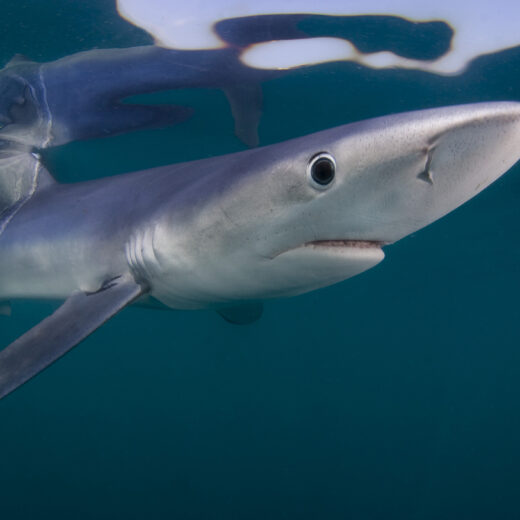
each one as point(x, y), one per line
point(323, 171)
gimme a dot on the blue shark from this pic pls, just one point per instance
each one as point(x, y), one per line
point(230, 232)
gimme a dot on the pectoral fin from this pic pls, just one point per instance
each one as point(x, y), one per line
point(243, 314)
point(5, 309)
point(79, 316)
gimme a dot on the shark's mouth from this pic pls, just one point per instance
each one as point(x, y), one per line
point(336, 247)
point(358, 244)
point(319, 263)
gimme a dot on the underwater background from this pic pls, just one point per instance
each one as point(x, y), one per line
point(395, 394)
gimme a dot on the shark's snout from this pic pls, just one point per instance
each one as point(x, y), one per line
point(412, 169)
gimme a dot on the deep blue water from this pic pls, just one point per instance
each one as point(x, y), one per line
point(395, 394)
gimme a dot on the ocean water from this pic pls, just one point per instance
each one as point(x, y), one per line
point(395, 394)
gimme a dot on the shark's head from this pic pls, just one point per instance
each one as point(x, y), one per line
point(303, 214)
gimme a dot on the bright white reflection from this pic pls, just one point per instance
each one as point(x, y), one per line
point(286, 54)
point(481, 26)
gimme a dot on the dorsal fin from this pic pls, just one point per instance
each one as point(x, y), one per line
point(17, 59)
point(21, 176)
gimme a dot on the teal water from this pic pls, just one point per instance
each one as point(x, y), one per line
point(395, 394)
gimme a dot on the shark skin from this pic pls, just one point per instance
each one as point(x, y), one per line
point(265, 223)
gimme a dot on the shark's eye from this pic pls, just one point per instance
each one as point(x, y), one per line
point(322, 169)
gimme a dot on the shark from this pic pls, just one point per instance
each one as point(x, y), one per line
point(232, 231)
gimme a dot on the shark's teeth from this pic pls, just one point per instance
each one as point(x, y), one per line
point(361, 244)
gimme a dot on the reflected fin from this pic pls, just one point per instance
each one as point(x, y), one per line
point(246, 106)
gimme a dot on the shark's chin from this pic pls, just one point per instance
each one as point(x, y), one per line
point(355, 255)
point(324, 262)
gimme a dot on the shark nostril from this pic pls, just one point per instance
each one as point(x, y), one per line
point(426, 174)
point(322, 170)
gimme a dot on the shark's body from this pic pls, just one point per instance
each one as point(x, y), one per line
point(264, 223)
